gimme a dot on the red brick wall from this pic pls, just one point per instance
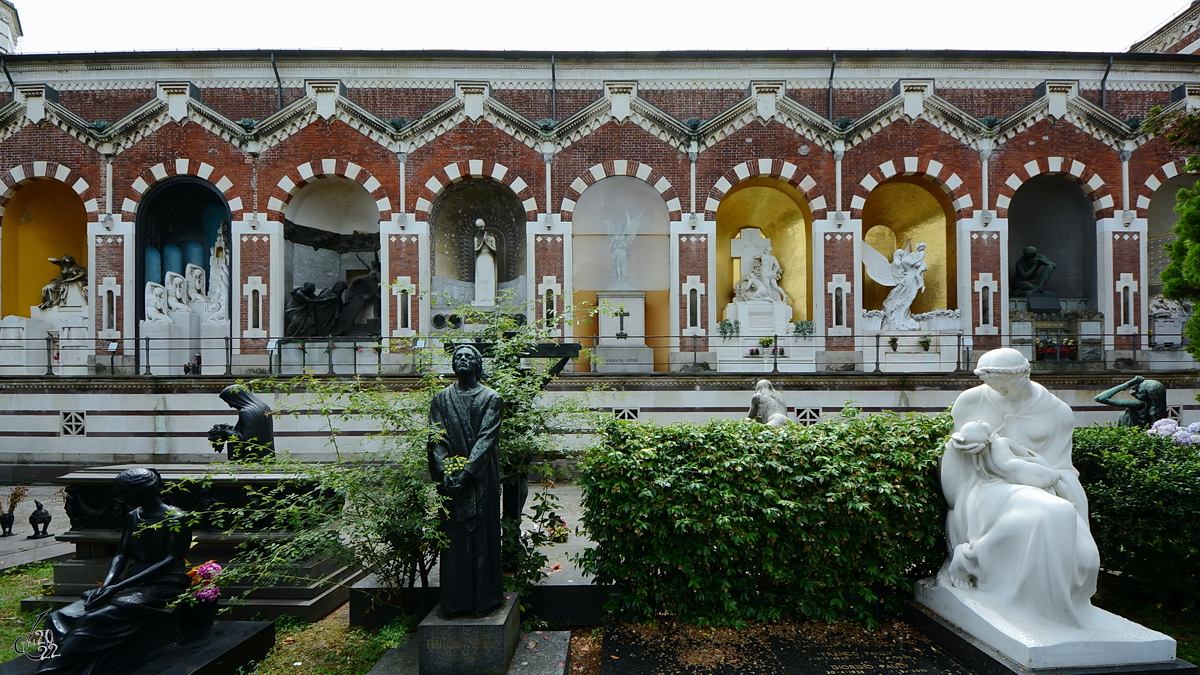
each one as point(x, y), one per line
point(470, 141)
point(693, 261)
point(985, 258)
point(773, 141)
point(839, 259)
point(1056, 138)
point(49, 143)
point(536, 104)
point(256, 262)
point(630, 142)
point(983, 102)
point(404, 260)
point(257, 104)
point(549, 254)
point(702, 103)
point(407, 103)
point(109, 105)
point(109, 261)
point(1147, 161)
point(1127, 256)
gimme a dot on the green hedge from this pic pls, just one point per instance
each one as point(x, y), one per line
point(1144, 496)
point(735, 521)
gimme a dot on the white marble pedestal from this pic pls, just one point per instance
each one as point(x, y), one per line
point(1110, 641)
point(622, 346)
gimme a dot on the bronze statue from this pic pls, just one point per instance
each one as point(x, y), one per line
point(1148, 405)
point(54, 294)
point(309, 313)
point(40, 520)
point(1032, 272)
point(465, 461)
point(253, 437)
point(146, 574)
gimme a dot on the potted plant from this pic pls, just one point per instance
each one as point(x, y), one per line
point(777, 351)
point(198, 606)
point(14, 499)
point(766, 341)
point(925, 341)
point(893, 342)
point(754, 352)
point(804, 329)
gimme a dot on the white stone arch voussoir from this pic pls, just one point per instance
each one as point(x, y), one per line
point(23, 174)
point(1156, 180)
point(621, 167)
point(310, 172)
point(925, 167)
point(477, 168)
point(766, 168)
point(181, 167)
point(1093, 185)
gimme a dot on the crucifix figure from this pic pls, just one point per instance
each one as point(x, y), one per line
point(621, 334)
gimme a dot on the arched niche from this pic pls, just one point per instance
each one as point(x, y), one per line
point(177, 224)
point(1161, 226)
point(331, 234)
point(605, 211)
point(44, 219)
point(899, 214)
point(782, 213)
point(1052, 214)
point(452, 219)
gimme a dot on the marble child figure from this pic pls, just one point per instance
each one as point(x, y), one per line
point(465, 461)
point(146, 574)
point(999, 457)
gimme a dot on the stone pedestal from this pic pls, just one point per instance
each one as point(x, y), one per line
point(760, 318)
point(1112, 641)
point(23, 346)
point(467, 645)
point(163, 354)
point(622, 346)
point(212, 347)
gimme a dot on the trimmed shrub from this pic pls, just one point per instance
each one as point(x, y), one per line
point(1144, 496)
point(736, 521)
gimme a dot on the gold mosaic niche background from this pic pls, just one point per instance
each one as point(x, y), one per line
point(782, 213)
point(908, 208)
point(44, 219)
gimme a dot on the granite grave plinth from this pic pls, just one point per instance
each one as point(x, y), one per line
point(469, 645)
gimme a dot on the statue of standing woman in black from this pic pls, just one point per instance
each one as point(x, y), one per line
point(253, 437)
point(145, 575)
point(465, 461)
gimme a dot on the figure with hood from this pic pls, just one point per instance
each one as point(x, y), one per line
point(253, 437)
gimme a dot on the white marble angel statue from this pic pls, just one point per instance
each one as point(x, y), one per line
point(177, 293)
point(906, 274)
point(156, 303)
point(620, 238)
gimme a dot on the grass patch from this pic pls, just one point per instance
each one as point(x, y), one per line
point(15, 585)
point(1123, 598)
point(330, 646)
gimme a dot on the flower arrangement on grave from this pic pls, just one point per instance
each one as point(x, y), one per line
point(925, 341)
point(558, 530)
point(754, 351)
point(766, 341)
point(893, 342)
point(804, 329)
point(204, 586)
point(777, 351)
point(16, 497)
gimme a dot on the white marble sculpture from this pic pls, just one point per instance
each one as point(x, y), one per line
point(176, 293)
point(485, 265)
point(1160, 305)
point(156, 303)
point(195, 284)
point(769, 271)
point(1023, 565)
point(218, 280)
point(750, 289)
point(906, 274)
point(768, 406)
point(620, 238)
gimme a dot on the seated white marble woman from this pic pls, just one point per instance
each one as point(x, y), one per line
point(1018, 533)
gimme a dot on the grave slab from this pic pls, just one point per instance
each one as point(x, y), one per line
point(223, 650)
point(551, 656)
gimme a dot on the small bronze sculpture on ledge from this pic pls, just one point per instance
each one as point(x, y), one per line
point(145, 576)
point(1148, 405)
point(40, 520)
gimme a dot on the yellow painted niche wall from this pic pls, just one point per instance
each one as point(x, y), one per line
point(44, 219)
point(782, 213)
point(658, 322)
point(906, 209)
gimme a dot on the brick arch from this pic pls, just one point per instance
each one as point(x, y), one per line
point(181, 167)
point(622, 167)
point(17, 176)
point(1093, 185)
point(922, 167)
point(1156, 180)
point(477, 168)
point(766, 168)
point(291, 183)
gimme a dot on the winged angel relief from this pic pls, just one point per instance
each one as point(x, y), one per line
point(905, 274)
point(620, 237)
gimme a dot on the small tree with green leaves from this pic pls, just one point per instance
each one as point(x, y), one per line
point(387, 513)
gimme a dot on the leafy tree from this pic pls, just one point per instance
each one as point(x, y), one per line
point(1181, 278)
point(385, 512)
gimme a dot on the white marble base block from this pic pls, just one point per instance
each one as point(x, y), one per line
point(212, 347)
point(625, 359)
point(1108, 641)
point(622, 331)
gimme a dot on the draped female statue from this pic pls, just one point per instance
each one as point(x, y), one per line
point(145, 575)
point(485, 264)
